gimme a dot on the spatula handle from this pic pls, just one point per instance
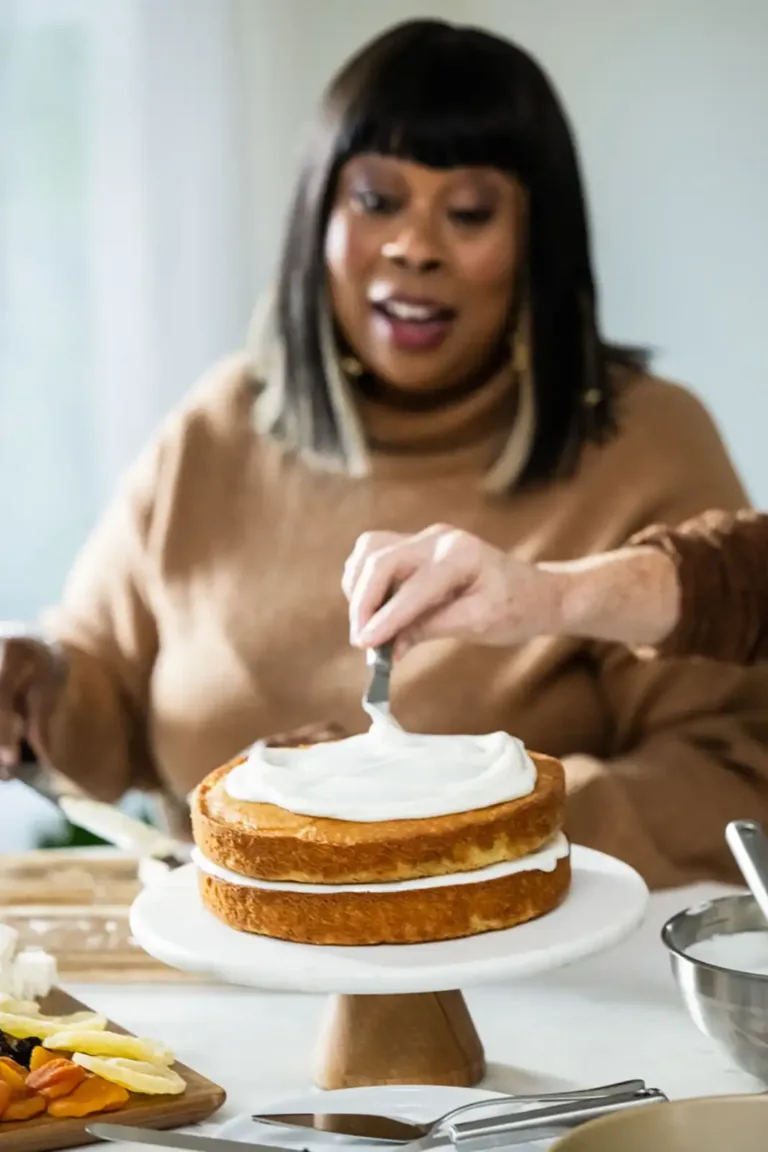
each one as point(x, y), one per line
point(749, 844)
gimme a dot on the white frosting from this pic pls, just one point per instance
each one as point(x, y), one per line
point(739, 951)
point(386, 774)
point(544, 861)
point(27, 975)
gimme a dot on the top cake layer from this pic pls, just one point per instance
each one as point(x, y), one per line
point(265, 841)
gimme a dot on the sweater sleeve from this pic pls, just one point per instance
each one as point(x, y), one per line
point(689, 752)
point(685, 744)
point(105, 624)
point(722, 560)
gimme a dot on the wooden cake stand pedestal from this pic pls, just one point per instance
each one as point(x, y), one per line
point(393, 1016)
point(417, 1038)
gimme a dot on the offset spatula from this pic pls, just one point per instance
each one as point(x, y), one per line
point(377, 697)
point(103, 820)
point(749, 844)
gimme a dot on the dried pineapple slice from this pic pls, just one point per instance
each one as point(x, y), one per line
point(135, 1075)
point(91, 1021)
point(19, 1007)
point(22, 1027)
point(110, 1044)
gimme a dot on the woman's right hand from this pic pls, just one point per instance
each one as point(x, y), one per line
point(445, 583)
point(32, 674)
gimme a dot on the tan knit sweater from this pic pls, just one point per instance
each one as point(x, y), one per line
point(206, 611)
point(722, 564)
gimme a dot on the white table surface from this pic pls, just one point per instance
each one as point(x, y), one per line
point(612, 1017)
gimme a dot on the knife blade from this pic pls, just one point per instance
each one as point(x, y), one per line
point(124, 1132)
point(104, 820)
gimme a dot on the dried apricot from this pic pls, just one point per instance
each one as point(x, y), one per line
point(57, 1078)
point(40, 1056)
point(24, 1107)
point(92, 1095)
point(5, 1096)
point(14, 1074)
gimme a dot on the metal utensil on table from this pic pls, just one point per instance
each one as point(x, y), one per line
point(148, 1136)
point(468, 1136)
point(103, 820)
point(749, 844)
point(394, 1130)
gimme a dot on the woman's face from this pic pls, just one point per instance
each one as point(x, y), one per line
point(421, 266)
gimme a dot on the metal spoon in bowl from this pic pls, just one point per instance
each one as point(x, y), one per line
point(749, 844)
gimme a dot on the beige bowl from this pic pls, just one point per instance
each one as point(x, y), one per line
point(711, 1124)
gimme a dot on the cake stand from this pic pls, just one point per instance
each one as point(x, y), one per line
point(395, 1015)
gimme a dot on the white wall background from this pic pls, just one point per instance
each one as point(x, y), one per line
point(147, 149)
point(669, 100)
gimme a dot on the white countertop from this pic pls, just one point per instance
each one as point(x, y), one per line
point(612, 1017)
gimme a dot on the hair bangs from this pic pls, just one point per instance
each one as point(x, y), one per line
point(442, 108)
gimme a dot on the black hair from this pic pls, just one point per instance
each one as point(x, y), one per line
point(448, 96)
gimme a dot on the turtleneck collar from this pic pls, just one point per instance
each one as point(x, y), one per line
point(465, 435)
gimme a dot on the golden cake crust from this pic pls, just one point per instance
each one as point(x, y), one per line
point(263, 841)
point(415, 916)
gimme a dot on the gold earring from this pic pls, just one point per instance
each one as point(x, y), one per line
point(520, 344)
point(352, 367)
point(592, 398)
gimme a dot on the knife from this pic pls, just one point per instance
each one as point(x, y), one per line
point(123, 1132)
point(104, 820)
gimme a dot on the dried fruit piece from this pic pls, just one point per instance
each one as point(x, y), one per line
point(5, 1096)
point(23, 1027)
point(90, 1020)
point(19, 1007)
point(57, 1078)
point(14, 1074)
point(40, 1056)
point(92, 1095)
point(24, 1107)
point(18, 1050)
point(135, 1075)
point(111, 1044)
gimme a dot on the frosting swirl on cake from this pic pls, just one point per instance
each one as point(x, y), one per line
point(386, 773)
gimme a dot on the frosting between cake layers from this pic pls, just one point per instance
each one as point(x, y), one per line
point(545, 860)
point(386, 773)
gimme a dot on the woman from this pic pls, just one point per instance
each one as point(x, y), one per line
point(434, 354)
point(698, 590)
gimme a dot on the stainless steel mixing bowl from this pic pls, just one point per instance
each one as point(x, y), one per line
point(729, 1006)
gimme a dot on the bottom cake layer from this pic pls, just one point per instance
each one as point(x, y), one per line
point(415, 915)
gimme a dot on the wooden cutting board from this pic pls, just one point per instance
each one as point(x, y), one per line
point(45, 1133)
point(75, 903)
